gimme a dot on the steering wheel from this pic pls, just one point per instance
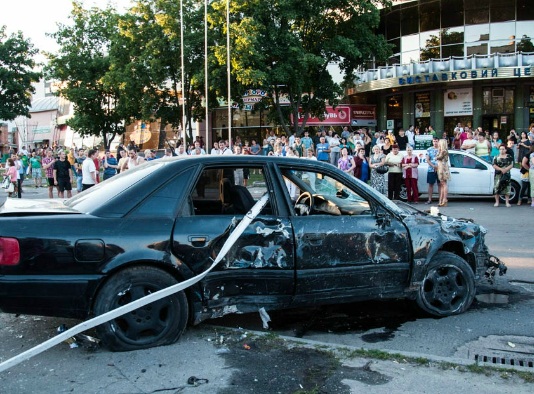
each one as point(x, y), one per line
point(304, 204)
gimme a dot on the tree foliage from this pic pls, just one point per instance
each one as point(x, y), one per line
point(82, 66)
point(285, 47)
point(149, 64)
point(434, 44)
point(16, 74)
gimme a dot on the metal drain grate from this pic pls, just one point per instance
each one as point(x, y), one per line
point(502, 360)
point(508, 351)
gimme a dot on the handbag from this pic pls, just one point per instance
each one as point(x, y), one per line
point(10, 188)
point(382, 169)
point(6, 182)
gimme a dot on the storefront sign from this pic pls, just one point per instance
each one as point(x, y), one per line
point(450, 76)
point(253, 96)
point(332, 117)
point(444, 76)
point(458, 102)
point(363, 115)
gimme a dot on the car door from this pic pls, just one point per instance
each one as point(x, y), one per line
point(351, 247)
point(469, 174)
point(259, 267)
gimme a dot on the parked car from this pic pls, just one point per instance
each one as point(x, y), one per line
point(324, 237)
point(470, 176)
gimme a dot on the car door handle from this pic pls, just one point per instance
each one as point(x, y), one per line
point(455, 172)
point(314, 239)
point(198, 241)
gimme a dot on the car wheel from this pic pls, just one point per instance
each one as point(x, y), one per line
point(448, 287)
point(403, 195)
point(158, 323)
point(515, 188)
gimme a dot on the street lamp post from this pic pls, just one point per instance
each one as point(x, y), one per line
point(229, 100)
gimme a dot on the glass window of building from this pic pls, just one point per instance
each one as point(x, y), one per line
point(502, 46)
point(429, 18)
point(476, 48)
point(393, 25)
point(477, 33)
point(429, 39)
point(396, 45)
point(525, 10)
point(525, 44)
point(410, 43)
point(410, 20)
point(410, 57)
point(452, 13)
point(476, 12)
point(452, 50)
point(524, 29)
point(452, 35)
point(502, 31)
point(502, 10)
point(509, 106)
point(498, 100)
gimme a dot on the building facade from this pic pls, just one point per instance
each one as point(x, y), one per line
point(454, 61)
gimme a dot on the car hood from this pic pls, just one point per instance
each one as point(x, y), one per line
point(26, 206)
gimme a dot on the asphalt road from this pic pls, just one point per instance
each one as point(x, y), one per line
point(226, 353)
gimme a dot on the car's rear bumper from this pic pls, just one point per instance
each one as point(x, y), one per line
point(61, 296)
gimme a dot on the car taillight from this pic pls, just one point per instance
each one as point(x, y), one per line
point(9, 251)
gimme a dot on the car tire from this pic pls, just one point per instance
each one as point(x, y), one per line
point(515, 189)
point(159, 323)
point(448, 287)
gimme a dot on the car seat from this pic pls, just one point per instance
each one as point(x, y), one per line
point(234, 198)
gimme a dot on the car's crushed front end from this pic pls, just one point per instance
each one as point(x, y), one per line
point(434, 232)
point(475, 248)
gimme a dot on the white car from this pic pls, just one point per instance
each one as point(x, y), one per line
point(470, 176)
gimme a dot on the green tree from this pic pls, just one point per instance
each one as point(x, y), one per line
point(285, 47)
point(82, 66)
point(149, 62)
point(16, 75)
point(434, 43)
point(525, 45)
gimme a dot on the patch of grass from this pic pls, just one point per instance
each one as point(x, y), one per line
point(527, 377)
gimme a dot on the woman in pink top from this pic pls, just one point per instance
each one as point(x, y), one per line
point(12, 173)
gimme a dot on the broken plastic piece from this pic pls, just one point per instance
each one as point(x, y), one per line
point(264, 318)
point(246, 347)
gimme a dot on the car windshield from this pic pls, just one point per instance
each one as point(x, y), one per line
point(93, 198)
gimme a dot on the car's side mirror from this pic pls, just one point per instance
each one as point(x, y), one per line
point(383, 219)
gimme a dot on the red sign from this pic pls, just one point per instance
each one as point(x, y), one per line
point(332, 117)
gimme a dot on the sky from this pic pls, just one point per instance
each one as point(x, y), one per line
point(35, 18)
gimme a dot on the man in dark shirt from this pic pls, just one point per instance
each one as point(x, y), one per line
point(402, 140)
point(63, 176)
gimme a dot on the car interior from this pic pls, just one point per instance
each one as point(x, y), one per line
point(228, 191)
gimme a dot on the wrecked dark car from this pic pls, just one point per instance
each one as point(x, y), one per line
point(323, 237)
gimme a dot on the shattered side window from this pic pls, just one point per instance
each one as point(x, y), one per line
point(227, 190)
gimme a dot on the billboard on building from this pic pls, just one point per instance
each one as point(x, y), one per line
point(458, 102)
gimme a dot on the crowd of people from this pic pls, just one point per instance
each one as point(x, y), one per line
point(384, 159)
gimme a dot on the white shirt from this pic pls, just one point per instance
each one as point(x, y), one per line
point(226, 151)
point(88, 168)
point(411, 137)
